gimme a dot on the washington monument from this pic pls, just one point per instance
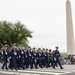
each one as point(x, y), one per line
point(69, 26)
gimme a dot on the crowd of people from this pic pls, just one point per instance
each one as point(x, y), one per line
point(70, 60)
point(17, 58)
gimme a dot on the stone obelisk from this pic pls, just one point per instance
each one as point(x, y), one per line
point(69, 26)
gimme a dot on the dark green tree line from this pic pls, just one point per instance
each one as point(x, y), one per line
point(14, 33)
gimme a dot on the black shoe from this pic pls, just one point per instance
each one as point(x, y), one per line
point(36, 67)
point(41, 66)
point(23, 68)
point(61, 68)
point(49, 66)
point(27, 67)
point(54, 68)
point(16, 69)
point(6, 68)
point(2, 68)
point(56, 65)
point(31, 67)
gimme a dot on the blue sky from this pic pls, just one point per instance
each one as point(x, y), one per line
point(46, 18)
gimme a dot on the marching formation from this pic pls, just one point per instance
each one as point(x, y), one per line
point(22, 58)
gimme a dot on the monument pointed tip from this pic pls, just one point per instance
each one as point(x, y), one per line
point(68, 0)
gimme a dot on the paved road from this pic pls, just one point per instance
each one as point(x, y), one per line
point(68, 70)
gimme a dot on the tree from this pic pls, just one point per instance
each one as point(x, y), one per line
point(14, 33)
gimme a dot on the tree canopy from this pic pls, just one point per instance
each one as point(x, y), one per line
point(14, 33)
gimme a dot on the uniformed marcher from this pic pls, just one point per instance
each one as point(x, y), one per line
point(47, 59)
point(22, 55)
point(31, 58)
point(50, 62)
point(5, 57)
point(44, 57)
point(40, 56)
point(35, 58)
point(57, 55)
point(25, 58)
point(14, 56)
point(53, 59)
point(18, 58)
